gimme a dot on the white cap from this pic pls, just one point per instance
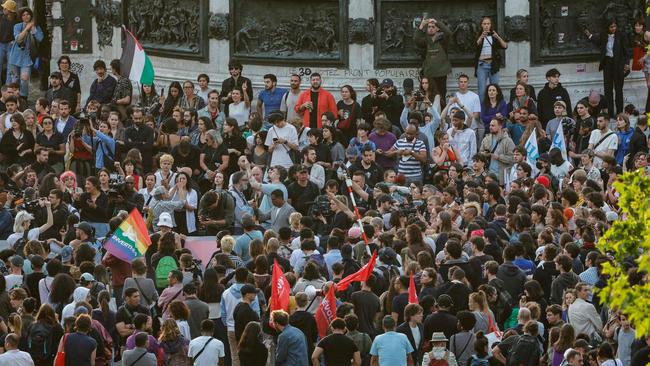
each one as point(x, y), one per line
point(165, 219)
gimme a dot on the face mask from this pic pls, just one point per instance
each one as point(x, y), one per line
point(438, 352)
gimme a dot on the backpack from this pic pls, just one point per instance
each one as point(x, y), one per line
point(320, 261)
point(525, 352)
point(384, 274)
point(442, 362)
point(19, 245)
point(39, 342)
point(165, 265)
point(475, 361)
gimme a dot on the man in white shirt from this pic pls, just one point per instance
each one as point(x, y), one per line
point(281, 139)
point(290, 98)
point(316, 171)
point(206, 350)
point(602, 141)
point(582, 315)
point(462, 138)
point(15, 278)
point(473, 102)
point(13, 356)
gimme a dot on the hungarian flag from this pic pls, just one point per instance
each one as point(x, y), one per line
point(280, 290)
point(326, 312)
point(358, 276)
point(134, 63)
point(413, 297)
point(131, 238)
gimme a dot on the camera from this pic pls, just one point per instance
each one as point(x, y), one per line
point(116, 185)
point(418, 95)
point(321, 206)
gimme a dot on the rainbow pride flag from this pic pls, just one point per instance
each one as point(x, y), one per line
point(131, 238)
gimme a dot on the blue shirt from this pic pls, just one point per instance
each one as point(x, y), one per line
point(525, 265)
point(271, 100)
point(243, 243)
point(331, 257)
point(391, 348)
point(292, 347)
point(624, 138)
point(104, 145)
point(267, 188)
point(20, 56)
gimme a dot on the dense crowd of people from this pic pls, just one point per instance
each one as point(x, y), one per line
point(482, 212)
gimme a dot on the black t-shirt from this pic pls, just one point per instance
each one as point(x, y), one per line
point(349, 115)
point(366, 306)
point(302, 197)
point(399, 303)
point(31, 282)
point(313, 114)
point(213, 156)
point(78, 348)
point(126, 313)
point(243, 314)
point(338, 349)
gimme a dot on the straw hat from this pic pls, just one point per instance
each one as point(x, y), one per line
point(10, 5)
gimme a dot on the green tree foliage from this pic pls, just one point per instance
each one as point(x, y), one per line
point(628, 240)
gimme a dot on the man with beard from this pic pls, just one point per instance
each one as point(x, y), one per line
point(316, 172)
point(412, 154)
point(211, 111)
point(312, 103)
point(500, 147)
point(127, 198)
point(140, 136)
point(270, 98)
point(302, 192)
point(58, 90)
point(433, 38)
point(290, 97)
point(371, 170)
point(391, 103)
point(235, 81)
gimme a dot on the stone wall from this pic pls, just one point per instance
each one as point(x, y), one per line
point(578, 78)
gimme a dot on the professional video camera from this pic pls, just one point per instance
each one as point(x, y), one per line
point(116, 185)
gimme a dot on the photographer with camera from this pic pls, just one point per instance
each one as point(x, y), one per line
point(81, 151)
point(93, 206)
point(22, 232)
point(489, 47)
point(85, 234)
point(390, 102)
point(123, 195)
point(433, 37)
point(60, 213)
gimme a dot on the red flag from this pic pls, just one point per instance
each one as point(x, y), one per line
point(413, 297)
point(280, 290)
point(326, 312)
point(360, 275)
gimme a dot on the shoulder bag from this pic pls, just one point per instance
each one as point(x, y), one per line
point(202, 349)
point(59, 360)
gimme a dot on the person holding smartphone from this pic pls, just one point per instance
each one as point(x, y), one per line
point(432, 38)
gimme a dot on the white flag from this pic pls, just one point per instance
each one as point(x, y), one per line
point(532, 152)
point(559, 142)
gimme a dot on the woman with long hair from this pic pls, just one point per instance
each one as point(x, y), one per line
point(567, 337)
point(493, 105)
point(349, 112)
point(640, 59)
point(489, 46)
point(522, 99)
point(174, 344)
point(444, 154)
point(30, 122)
point(149, 99)
point(260, 155)
point(63, 287)
point(49, 182)
point(337, 151)
point(172, 100)
point(522, 77)
point(46, 323)
point(180, 313)
point(183, 191)
point(168, 137)
point(543, 141)
point(479, 306)
point(104, 315)
point(415, 244)
point(233, 142)
point(251, 350)
point(199, 136)
point(17, 144)
point(210, 292)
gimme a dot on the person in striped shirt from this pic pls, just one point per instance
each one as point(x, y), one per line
point(412, 154)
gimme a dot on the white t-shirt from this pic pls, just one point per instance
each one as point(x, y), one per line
point(239, 112)
point(610, 143)
point(13, 281)
point(210, 355)
point(31, 235)
point(280, 155)
point(470, 100)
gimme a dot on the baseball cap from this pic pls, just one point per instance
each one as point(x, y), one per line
point(387, 82)
point(302, 168)
point(553, 72)
point(165, 219)
point(247, 289)
point(85, 227)
point(87, 277)
point(16, 260)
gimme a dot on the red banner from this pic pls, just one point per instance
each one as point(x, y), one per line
point(280, 291)
point(413, 297)
point(326, 312)
point(358, 276)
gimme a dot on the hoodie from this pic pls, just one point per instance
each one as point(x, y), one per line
point(547, 98)
point(231, 297)
point(80, 294)
point(562, 282)
point(513, 280)
point(545, 273)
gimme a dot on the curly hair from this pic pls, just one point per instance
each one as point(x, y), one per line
point(169, 331)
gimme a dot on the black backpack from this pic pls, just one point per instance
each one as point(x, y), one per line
point(19, 245)
point(39, 342)
point(384, 275)
point(525, 352)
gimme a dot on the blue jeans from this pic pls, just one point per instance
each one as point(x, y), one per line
point(4, 56)
point(485, 77)
point(21, 73)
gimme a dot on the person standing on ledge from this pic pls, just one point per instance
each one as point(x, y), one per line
point(488, 56)
point(433, 38)
point(614, 62)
